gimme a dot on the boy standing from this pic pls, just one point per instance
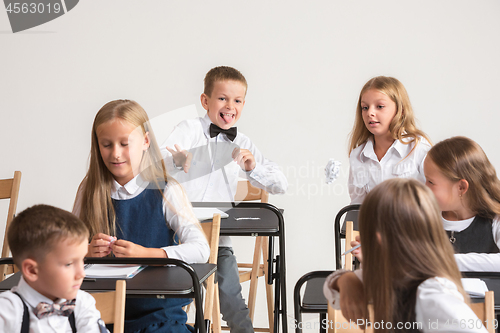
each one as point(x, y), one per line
point(209, 156)
point(48, 246)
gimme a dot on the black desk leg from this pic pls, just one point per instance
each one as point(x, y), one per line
point(322, 319)
point(270, 261)
point(207, 326)
point(277, 296)
point(282, 271)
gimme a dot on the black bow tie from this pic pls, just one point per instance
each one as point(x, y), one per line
point(230, 133)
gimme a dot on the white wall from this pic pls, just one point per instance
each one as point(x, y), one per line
point(305, 62)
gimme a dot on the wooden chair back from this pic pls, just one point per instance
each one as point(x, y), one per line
point(111, 304)
point(350, 235)
point(9, 189)
point(336, 321)
point(212, 305)
point(485, 311)
point(247, 192)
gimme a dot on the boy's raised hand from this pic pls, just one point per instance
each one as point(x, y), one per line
point(244, 158)
point(181, 157)
point(123, 248)
point(100, 245)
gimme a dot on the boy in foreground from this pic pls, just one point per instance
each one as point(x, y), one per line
point(48, 246)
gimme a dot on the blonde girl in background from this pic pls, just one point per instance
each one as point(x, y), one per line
point(409, 272)
point(134, 209)
point(467, 190)
point(385, 142)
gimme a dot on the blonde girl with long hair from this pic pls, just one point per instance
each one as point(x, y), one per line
point(134, 209)
point(467, 190)
point(384, 142)
point(409, 273)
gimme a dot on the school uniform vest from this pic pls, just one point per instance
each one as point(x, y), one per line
point(477, 237)
point(141, 221)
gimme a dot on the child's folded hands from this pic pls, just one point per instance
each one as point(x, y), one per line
point(100, 245)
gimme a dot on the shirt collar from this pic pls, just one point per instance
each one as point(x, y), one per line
point(401, 148)
point(398, 146)
point(205, 123)
point(31, 296)
point(368, 151)
point(131, 187)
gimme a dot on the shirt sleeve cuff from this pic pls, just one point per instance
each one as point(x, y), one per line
point(256, 173)
point(332, 295)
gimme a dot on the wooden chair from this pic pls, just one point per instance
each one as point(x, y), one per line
point(252, 271)
point(313, 300)
point(337, 322)
point(485, 311)
point(111, 304)
point(350, 235)
point(9, 189)
point(212, 305)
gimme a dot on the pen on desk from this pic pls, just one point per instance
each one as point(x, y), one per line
point(88, 280)
point(351, 249)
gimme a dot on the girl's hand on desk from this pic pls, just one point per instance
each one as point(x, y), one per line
point(357, 253)
point(123, 248)
point(100, 245)
point(352, 297)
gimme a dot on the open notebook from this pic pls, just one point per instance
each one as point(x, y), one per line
point(474, 287)
point(112, 271)
point(207, 213)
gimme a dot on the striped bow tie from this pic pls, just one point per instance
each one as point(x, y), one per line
point(44, 309)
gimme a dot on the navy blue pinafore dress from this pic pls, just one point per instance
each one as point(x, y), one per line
point(141, 221)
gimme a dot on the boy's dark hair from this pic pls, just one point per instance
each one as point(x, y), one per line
point(222, 73)
point(35, 231)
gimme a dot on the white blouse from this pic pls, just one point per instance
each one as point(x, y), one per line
point(179, 216)
point(440, 306)
point(366, 171)
point(476, 262)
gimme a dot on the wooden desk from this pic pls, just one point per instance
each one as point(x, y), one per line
point(179, 281)
point(270, 223)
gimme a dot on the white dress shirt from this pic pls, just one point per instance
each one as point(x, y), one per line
point(179, 216)
point(476, 262)
point(11, 312)
point(212, 158)
point(366, 171)
point(440, 307)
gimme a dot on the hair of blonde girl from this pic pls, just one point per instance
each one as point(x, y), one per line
point(404, 244)
point(462, 158)
point(402, 125)
point(97, 209)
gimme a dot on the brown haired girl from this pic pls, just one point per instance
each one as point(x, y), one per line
point(128, 194)
point(409, 272)
point(467, 190)
point(385, 142)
